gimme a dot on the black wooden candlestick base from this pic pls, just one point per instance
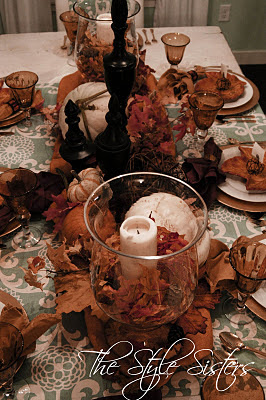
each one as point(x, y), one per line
point(113, 145)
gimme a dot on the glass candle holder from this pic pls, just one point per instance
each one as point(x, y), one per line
point(144, 273)
point(95, 36)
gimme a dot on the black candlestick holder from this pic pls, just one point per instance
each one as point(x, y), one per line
point(113, 145)
point(76, 150)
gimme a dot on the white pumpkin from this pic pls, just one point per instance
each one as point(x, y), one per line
point(80, 189)
point(172, 213)
point(96, 118)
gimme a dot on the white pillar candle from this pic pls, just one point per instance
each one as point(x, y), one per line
point(224, 70)
point(138, 237)
point(104, 30)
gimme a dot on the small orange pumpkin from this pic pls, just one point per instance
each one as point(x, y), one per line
point(84, 184)
point(74, 226)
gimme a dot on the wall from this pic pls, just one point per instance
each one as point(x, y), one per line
point(246, 30)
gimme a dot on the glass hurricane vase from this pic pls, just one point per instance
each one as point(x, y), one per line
point(95, 35)
point(144, 263)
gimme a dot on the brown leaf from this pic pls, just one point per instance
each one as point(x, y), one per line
point(31, 278)
point(192, 321)
point(207, 300)
point(74, 292)
point(35, 264)
point(60, 259)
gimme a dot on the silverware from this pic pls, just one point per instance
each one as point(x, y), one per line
point(153, 37)
point(233, 342)
point(147, 41)
point(3, 133)
point(222, 355)
point(235, 141)
point(238, 118)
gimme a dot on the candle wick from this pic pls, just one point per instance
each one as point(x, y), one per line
point(138, 232)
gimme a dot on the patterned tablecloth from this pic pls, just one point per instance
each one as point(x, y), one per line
point(57, 369)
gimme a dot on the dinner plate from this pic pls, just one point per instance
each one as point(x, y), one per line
point(245, 97)
point(235, 186)
point(244, 107)
point(12, 119)
point(242, 205)
point(11, 227)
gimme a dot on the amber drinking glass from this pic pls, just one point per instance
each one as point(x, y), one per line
point(11, 347)
point(175, 44)
point(15, 186)
point(249, 262)
point(205, 106)
point(22, 84)
point(70, 21)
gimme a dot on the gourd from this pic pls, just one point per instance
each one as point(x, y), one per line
point(74, 226)
point(95, 116)
point(84, 184)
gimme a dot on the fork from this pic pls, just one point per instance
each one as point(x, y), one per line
point(147, 41)
point(223, 119)
point(154, 40)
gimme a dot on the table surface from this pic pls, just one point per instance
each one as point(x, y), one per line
point(33, 147)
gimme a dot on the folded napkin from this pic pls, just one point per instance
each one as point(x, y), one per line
point(32, 330)
point(203, 174)
point(218, 271)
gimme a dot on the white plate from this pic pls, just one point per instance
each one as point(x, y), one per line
point(260, 295)
point(246, 96)
point(234, 185)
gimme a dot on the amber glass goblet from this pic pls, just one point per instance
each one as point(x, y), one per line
point(22, 84)
point(15, 186)
point(11, 347)
point(70, 21)
point(175, 44)
point(249, 262)
point(205, 106)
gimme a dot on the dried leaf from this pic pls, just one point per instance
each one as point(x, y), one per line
point(35, 264)
point(192, 321)
point(58, 210)
point(31, 278)
point(74, 292)
point(60, 259)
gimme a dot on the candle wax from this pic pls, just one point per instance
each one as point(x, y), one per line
point(138, 236)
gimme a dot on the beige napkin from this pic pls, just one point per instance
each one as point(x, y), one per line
point(32, 330)
point(219, 273)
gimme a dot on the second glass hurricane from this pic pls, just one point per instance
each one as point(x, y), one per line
point(15, 186)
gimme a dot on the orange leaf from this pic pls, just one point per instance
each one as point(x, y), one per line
point(192, 321)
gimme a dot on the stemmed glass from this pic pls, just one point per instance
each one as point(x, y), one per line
point(15, 186)
point(249, 262)
point(174, 45)
point(205, 106)
point(70, 21)
point(22, 84)
point(11, 347)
